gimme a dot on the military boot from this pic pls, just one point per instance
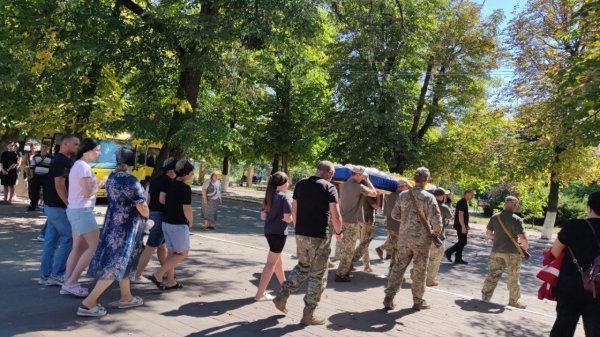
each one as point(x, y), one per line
point(280, 303)
point(432, 283)
point(421, 306)
point(309, 318)
point(388, 303)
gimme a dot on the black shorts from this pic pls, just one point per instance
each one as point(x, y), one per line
point(276, 242)
point(9, 179)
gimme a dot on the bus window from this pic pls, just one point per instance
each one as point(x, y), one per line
point(152, 155)
point(108, 149)
point(141, 152)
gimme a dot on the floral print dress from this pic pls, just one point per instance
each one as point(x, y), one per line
point(121, 239)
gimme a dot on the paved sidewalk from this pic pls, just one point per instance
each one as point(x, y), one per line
point(220, 280)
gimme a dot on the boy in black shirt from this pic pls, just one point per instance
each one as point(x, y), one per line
point(176, 225)
point(461, 224)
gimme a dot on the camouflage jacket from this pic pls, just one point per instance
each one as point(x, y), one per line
point(411, 228)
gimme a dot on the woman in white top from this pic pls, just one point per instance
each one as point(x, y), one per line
point(80, 212)
point(211, 199)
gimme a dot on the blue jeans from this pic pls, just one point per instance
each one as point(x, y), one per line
point(57, 242)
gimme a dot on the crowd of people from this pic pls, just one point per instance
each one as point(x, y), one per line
point(416, 220)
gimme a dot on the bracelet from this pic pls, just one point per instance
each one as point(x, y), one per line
point(340, 233)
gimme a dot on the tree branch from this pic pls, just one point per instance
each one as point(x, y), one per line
point(417, 115)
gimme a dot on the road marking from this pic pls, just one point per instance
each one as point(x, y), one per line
point(383, 276)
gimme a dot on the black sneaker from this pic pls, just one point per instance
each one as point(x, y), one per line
point(448, 255)
point(461, 262)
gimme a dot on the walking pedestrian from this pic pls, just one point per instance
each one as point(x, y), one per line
point(315, 200)
point(461, 224)
point(9, 164)
point(83, 187)
point(436, 253)
point(38, 176)
point(121, 238)
point(367, 232)
point(58, 239)
point(277, 214)
point(176, 225)
point(351, 208)
point(414, 243)
point(156, 239)
point(211, 199)
point(581, 238)
point(393, 226)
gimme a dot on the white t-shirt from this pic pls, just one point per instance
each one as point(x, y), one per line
point(212, 192)
point(80, 170)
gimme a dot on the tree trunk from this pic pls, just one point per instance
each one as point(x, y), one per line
point(421, 102)
point(284, 162)
point(275, 164)
point(552, 208)
point(249, 175)
point(226, 171)
point(201, 172)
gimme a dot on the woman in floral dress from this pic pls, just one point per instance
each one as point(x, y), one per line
point(121, 238)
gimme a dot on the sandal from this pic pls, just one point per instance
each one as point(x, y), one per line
point(96, 311)
point(135, 301)
point(176, 286)
point(156, 282)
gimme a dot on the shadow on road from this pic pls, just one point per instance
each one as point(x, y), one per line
point(205, 309)
point(261, 327)
point(368, 321)
point(480, 306)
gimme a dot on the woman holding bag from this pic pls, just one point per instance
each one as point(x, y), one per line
point(211, 199)
point(578, 239)
point(277, 214)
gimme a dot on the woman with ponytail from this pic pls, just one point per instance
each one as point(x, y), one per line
point(80, 212)
point(277, 214)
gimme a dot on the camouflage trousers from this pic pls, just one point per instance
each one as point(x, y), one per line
point(390, 245)
point(348, 246)
point(407, 252)
point(367, 233)
point(496, 265)
point(313, 255)
point(433, 264)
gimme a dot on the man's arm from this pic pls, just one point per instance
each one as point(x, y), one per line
point(489, 234)
point(187, 211)
point(436, 218)
point(294, 210)
point(461, 220)
point(336, 219)
point(371, 191)
point(524, 241)
point(396, 211)
point(61, 189)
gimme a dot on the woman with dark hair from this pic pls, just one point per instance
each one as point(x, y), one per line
point(277, 214)
point(120, 244)
point(80, 212)
point(581, 238)
point(9, 164)
point(211, 199)
point(176, 225)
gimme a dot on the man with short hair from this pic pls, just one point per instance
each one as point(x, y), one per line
point(461, 224)
point(37, 175)
point(391, 243)
point(505, 253)
point(436, 253)
point(367, 232)
point(58, 240)
point(414, 243)
point(352, 194)
point(315, 200)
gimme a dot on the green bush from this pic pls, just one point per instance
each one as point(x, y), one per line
point(569, 208)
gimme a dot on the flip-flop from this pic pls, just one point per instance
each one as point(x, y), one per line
point(176, 286)
point(157, 283)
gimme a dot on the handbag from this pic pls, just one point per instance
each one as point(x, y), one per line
point(522, 251)
point(591, 276)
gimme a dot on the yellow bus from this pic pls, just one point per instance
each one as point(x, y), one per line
point(145, 161)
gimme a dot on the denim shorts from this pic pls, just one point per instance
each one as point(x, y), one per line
point(156, 237)
point(177, 237)
point(82, 220)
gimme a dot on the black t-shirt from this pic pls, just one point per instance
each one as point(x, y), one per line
point(60, 167)
point(178, 194)
point(8, 158)
point(159, 184)
point(461, 205)
point(280, 205)
point(313, 196)
point(577, 235)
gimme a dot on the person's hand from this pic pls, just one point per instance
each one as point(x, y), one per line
point(339, 237)
point(263, 215)
point(524, 245)
point(464, 230)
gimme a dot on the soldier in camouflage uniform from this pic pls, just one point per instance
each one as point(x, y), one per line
point(414, 243)
point(367, 232)
point(352, 193)
point(436, 253)
point(504, 252)
point(314, 201)
point(392, 225)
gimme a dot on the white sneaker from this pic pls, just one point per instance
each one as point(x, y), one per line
point(55, 281)
point(75, 290)
point(265, 297)
point(43, 281)
point(96, 311)
point(40, 238)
